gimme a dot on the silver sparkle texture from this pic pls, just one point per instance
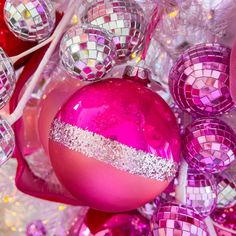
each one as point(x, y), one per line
point(7, 78)
point(87, 52)
point(124, 19)
point(30, 20)
point(7, 141)
point(112, 152)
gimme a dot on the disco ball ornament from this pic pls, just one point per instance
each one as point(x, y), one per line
point(201, 192)
point(149, 209)
point(7, 78)
point(87, 52)
point(209, 145)
point(226, 189)
point(7, 141)
point(124, 19)
point(113, 136)
point(199, 80)
point(172, 219)
point(31, 20)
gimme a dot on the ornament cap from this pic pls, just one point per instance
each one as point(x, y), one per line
point(137, 73)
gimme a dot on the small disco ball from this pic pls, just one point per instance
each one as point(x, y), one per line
point(209, 145)
point(199, 80)
point(7, 141)
point(31, 20)
point(226, 189)
point(172, 219)
point(87, 52)
point(7, 78)
point(124, 19)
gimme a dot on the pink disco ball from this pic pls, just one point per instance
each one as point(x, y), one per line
point(31, 20)
point(113, 136)
point(7, 78)
point(226, 189)
point(124, 19)
point(172, 219)
point(199, 80)
point(201, 192)
point(209, 145)
point(87, 52)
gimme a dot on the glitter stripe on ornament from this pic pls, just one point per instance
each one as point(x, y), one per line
point(112, 152)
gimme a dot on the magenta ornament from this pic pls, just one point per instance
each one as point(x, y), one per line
point(226, 189)
point(209, 145)
point(124, 19)
point(199, 80)
point(130, 138)
point(7, 78)
point(172, 219)
point(31, 20)
point(87, 52)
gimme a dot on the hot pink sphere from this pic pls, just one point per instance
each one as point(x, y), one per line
point(115, 145)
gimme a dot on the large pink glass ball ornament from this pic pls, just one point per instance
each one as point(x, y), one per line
point(87, 52)
point(172, 219)
point(124, 19)
point(209, 145)
point(199, 80)
point(7, 78)
point(113, 136)
point(51, 102)
point(7, 141)
point(31, 20)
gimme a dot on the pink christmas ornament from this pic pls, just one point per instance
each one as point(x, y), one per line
point(7, 141)
point(232, 81)
point(87, 52)
point(51, 102)
point(113, 136)
point(199, 80)
point(172, 219)
point(7, 78)
point(31, 20)
point(124, 19)
point(201, 192)
point(209, 145)
point(226, 189)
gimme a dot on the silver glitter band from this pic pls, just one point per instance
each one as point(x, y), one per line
point(112, 152)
